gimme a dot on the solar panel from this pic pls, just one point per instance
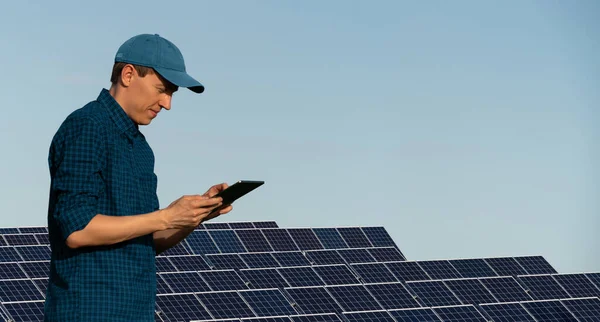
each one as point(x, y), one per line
point(312, 300)
point(11, 271)
point(161, 286)
point(300, 276)
point(535, 265)
point(227, 241)
point(325, 257)
point(316, 318)
point(2, 241)
point(42, 239)
point(373, 273)
point(259, 260)
point(335, 274)
point(163, 264)
point(475, 267)
point(379, 237)
point(415, 315)
point(577, 285)
point(25, 311)
point(280, 240)
point(371, 316)
point(470, 291)
point(584, 309)
point(254, 240)
point(265, 224)
point(439, 269)
point(241, 225)
point(33, 253)
point(8, 254)
point(356, 255)
point(181, 307)
point(595, 278)
point(505, 266)
point(290, 259)
point(505, 289)
point(42, 284)
point(354, 237)
point(269, 319)
point(226, 261)
point(268, 302)
point(507, 312)
point(550, 310)
point(433, 293)
point(264, 278)
point(216, 225)
point(305, 238)
point(354, 298)
point(187, 263)
point(178, 249)
point(223, 280)
point(330, 238)
point(407, 271)
point(386, 254)
point(466, 313)
point(6, 231)
point(19, 290)
point(33, 230)
point(21, 239)
point(392, 295)
point(201, 243)
point(35, 269)
point(185, 282)
point(543, 287)
point(225, 305)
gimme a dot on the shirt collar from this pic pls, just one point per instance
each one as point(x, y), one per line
point(117, 114)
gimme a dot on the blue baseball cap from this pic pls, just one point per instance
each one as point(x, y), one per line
point(160, 54)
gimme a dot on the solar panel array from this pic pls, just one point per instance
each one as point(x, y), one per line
point(257, 271)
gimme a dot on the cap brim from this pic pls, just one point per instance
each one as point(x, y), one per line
point(181, 79)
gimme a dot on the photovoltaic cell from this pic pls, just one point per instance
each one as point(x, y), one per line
point(161, 286)
point(11, 271)
point(280, 240)
point(227, 241)
point(300, 276)
point(313, 300)
point(8, 254)
point(226, 261)
point(354, 237)
point(373, 273)
point(254, 240)
point(225, 305)
point(325, 257)
point(433, 293)
point(2, 241)
point(19, 290)
point(473, 268)
point(290, 259)
point(224, 280)
point(200, 243)
point(34, 253)
point(259, 260)
point(6, 231)
point(305, 238)
point(216, 225)
point(407, 271)
point(357, 255)
point(466, 313)
point(354, 298)
point(241, 225)
point(330, 238)
point(185, 282)
point(265, 224)
point(470, 291)
point(35, 269)
point(164, 265)
point(392, 296)
point(268, 302)
point(584, 309)
point(42, 284)
point(26, 311)
point(179, 249)
point(21, 239)
point(548, 311)
point(181, 307)
point(33, 230)
point(506, 266)
point(577, 285)
point(439, 269)
point(372, 316)
point(268, 319)
point(379, 237)
point(507, 312)
point(264, 278)
point(187, 263)
point(415, 315)
point(543, 287)
point(536, 265)
point(505, 289)
point(335, 274)
point(316, 318)
point(42, 239)
point(386, 254)
point(595, 278)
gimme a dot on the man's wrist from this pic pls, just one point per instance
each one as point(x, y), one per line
point(161, 216)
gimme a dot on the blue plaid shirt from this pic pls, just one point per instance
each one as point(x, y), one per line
point(100, 163)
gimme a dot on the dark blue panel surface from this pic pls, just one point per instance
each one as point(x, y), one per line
point(543, 287)
point(505, 289)
point(290, 259)
point(507, 312)
point(33, 230)
point(356, 256)
point(216, 225)
point(181, 248)
point(163, 264)
point(467, 313)
point(201, 243)
point(354, 298)
point(354, 237)
point(185, 282)
point(407, 271)
point(374, 273)
point(162, 287)
point(269, 319)
point(254, 240)
point(470, 291)
point(324, 257)
point(21, 239)
point(19, 290)
point(577, 285)
point(415, 315)
point(316, 318)
point(6, 231)
point(8, 254)
point(259, 260)
point(505, 266)
point(536, 265)
point(34, 253)
point(227, 241)
point(226, 261)
point(265, 224)
point(187, 263)
point(313, 300)
point(181, 307)
point(41, 283)
point(330, 238)
point(241, 225)
point(268, 302)
point(280, 240)
point(11, 271)
point(300, 276)
point(263, 278)
point(586, 310)
point(433, 293)
point(392, 296)
point(42, 239)
point(336, 274)
point(305, 238)
point(386, 254)
point(548, 311)
point(26, 311)
point(475, 267)
point(224, 280)
point(379, 237)
point(35, 269)
point(372, 316)
point(225, 305)
point(439, 269)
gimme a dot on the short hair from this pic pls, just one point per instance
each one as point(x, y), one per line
point(142, 71)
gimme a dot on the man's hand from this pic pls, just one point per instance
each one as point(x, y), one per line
point(214, 190)
point(189, 211)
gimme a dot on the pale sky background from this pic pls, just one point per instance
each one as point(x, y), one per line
point(465, 128)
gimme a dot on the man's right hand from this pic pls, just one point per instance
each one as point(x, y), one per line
point(189, 211)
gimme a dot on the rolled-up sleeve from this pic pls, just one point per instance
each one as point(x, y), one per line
point(78, 162)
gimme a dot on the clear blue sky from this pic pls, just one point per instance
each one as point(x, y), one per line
point(466, 128)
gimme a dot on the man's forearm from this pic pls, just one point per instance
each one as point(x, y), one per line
point(108, 230)
point(166, 239)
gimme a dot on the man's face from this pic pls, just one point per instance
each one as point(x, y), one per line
point(146, 96)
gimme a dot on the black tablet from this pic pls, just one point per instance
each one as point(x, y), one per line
point(237, 190)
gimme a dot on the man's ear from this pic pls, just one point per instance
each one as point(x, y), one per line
point(127, 74)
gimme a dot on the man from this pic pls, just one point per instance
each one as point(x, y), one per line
point(105, 224)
